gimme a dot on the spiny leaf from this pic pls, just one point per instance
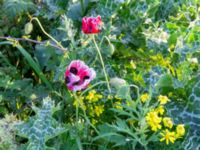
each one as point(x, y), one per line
point(41, 127)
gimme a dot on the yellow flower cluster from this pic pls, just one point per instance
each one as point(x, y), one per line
point(156, 121)
point(117, 105)
point(80, 103)
point(95, 111)
point(89, 103)
point(153, 120)
point(98, 110)
point(160, 110)
point(163, 99)
point(167, 122)
point(144, 97)
point(93, 96)
point(172, 136)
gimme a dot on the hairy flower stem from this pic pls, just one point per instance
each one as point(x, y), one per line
point(102, 63)
point(47, 34)
point(77, 105)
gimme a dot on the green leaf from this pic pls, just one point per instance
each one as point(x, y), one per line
point(165, 83)
point(41, 127)
point(191, 37)
point(173, 26)
point(75, 10)
point(124, 92)
point(31, 62)
point(14, 8)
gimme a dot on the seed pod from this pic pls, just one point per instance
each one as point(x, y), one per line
point(28, 28)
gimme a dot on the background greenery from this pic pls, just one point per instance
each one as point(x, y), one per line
point(154, 44)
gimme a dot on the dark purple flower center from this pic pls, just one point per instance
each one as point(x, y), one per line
point(73, 70)
point(76, 83)
point(86, 77)
point(67, 80)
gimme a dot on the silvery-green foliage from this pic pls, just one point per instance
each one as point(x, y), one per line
point(41, 127)
point(189, 115)
point(7, 140)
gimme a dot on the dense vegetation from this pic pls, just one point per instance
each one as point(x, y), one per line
point(146, 93)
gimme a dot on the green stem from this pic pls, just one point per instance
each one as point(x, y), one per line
point(77, 105)
point(47, 34)
point(82, 6)
point(137, 90)
point(102, 63)
point(89, 88)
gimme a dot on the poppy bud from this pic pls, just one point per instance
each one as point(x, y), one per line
point(117, 82)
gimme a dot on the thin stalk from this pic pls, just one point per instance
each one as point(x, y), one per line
point(82, 7)
point(47, 34)
point(77, 104)
point(32, 41)
point(102, 63)
point(137, 90)
point(89, 88)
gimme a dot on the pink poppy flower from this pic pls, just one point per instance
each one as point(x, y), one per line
point(91, 25)
point(78, 75)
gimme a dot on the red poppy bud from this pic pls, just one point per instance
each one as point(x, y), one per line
point(91, 25)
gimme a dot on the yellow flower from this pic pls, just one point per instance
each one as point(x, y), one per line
point(93, 96)
point(118, 98)
point(94, 121)
point(167, 122)
point(117, 105)
point(90, 110)
point(163, 99)
point(180, 130)
point(99, 110)
point(168, 136)
point(153, 120)
point(110, 97)
point(80, 103)
point(144, 97)
point(39, 38)
point(160, 110)
point(133, 65)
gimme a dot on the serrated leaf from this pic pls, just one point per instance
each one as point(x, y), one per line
point(41, 127)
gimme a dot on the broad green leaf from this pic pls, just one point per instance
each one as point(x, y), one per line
point(165, 83)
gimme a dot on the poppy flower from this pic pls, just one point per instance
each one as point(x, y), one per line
point(78, 75)
point(91, 25)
